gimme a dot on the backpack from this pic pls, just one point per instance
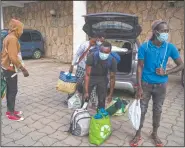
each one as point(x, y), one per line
point(79, 122)
point(112, 54)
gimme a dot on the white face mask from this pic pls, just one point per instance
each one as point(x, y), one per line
point(103, 56)
point(163, 37)
point(98, 43)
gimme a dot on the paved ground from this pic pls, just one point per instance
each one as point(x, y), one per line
point(47, 119)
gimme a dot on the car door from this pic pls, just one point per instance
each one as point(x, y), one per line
point(37, 41)
point(26, 44)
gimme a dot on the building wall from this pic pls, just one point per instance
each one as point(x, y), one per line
point(57, 31)
point(148, 11)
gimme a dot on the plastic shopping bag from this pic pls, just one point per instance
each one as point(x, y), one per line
point(100, 129)
point(3, 85)
point(135, 114)
point(75, 101)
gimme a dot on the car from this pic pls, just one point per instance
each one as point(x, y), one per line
point(31, 41)
point(121, 30)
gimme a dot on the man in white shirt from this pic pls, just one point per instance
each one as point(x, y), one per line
point(80, 60)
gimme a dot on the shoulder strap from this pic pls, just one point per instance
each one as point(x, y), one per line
point(164, 54)
point(146, 46)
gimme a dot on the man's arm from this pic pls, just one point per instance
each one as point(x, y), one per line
point(13, 51)
point(87, 78)
point(177, 59)
point(179, 66)
point(112, 83)
point(139, 72)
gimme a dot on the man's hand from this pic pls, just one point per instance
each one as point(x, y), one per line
point(86, 96)
point(139, 93)
point(92, 42)
point(109, 99)
point(71, 69)
point(25, 72)
point(160, 71)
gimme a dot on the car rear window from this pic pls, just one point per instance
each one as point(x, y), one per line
point(112, 25)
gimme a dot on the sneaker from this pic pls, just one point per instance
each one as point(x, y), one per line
point(15, 112)
point(15, 117)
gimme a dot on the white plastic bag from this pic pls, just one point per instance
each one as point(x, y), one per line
point(75, 101)
point(135, 114)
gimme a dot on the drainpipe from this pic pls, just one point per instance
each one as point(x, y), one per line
point(79, 36)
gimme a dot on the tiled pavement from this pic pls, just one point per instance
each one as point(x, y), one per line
point(47, 119)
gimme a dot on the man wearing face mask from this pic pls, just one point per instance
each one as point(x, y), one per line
point(80, 58)
point(11, 62)
point(98, 65)
point(152, 75)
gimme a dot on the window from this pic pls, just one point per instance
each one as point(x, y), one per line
point(35, 37)
point(112, 25)
point(25, 37)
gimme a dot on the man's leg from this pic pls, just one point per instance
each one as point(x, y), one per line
point(11, 90)
point(147, 90)
point(158, 97)
point(102, 93)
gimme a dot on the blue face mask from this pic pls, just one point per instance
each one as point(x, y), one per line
point(103, 56)
point(162, 37)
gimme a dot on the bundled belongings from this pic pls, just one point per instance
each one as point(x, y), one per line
point(66, 83)
point(3, 85)
point(80, 120)
point(100, 127)
point(117, 107)
point(75, 101)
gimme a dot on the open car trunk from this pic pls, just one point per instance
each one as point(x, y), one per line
point(124, 49)
point(118, 28)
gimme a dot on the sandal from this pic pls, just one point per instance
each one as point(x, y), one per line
point(157, 141)
point(135, 141)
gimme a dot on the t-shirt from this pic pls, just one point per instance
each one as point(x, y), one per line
point(153, 58)
point(100, 69)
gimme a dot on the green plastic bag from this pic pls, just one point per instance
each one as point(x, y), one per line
point(3, 85)
point(100, 130)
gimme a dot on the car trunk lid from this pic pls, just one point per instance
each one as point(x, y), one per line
point(113, 25)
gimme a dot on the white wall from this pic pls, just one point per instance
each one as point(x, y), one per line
point(79, 36)
point(2, 23)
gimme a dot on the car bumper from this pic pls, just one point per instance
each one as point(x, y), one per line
point(125, 86)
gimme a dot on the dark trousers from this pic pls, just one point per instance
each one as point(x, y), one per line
point(158, 93)
point(11, 89)
point(101, 88)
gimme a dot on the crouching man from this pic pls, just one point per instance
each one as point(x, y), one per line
point(98, 65)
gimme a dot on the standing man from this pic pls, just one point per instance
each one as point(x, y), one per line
point(11, 62)
point(98, 65)
point(153, 76)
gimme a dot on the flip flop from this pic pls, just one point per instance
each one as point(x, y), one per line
point(135, 144)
